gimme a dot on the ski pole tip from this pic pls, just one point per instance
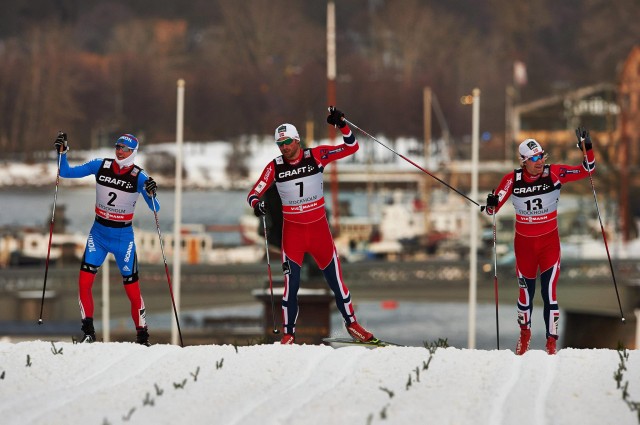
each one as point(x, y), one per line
point(39, 321)
point(624, 320)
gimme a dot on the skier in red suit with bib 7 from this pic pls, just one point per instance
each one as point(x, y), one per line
point(535, 191)
point(297, 174)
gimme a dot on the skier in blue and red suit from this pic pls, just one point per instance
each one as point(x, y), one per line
point(297, 174)
point(535, 191)
point(118, 183)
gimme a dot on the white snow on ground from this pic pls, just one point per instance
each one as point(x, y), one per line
point(124, 383)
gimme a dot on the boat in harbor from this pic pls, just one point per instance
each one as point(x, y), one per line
point(28, 247)
point(400, 228)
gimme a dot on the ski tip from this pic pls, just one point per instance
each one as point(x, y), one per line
point(371, 344)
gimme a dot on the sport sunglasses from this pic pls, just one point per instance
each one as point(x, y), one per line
point(536, 158)
point(123, 148)
point(285, 142)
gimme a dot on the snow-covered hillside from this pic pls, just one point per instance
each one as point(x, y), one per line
point(205, 163)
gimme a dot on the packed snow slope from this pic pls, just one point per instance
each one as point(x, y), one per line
point(124, 383)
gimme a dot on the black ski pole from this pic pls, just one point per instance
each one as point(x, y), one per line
point(166, 268)
point(604, 236)
point(495, 279)
point(266, 245)
point(412, 163)
point(53, 218)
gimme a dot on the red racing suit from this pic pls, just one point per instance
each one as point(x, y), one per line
point(305, 226)
point(536, 241)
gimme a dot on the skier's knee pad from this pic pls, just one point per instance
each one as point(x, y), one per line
point(89, 268)
point(289, 267)
point(126, 280)
point(522, 282)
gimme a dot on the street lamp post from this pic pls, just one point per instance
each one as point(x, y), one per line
point(331, 97)
point(177, 224)
point(473, 233)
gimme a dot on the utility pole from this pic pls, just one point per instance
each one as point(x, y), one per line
point(331, 97)
point(509, 127)
point(426, 185)
point(473, 233)
point(177, 223)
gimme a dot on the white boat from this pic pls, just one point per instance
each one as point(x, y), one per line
point(27, 247)
point(398, 230)
point(197, 248)
point(23, 247)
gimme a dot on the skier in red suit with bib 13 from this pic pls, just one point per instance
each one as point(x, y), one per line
point(535, 191)
point(297, 174)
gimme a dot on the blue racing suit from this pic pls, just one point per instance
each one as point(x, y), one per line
point(117, 192)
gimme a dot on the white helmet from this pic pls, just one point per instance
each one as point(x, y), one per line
point(286, 131)
point(529, 148)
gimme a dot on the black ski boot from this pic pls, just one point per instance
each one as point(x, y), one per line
point(142, 337)
point(89, 331)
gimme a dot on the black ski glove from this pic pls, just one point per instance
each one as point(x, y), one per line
point(150, 187)
point(492, 202)
point(259, 209)
point(336, 117)
point(60, 143)
point(583, 136)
